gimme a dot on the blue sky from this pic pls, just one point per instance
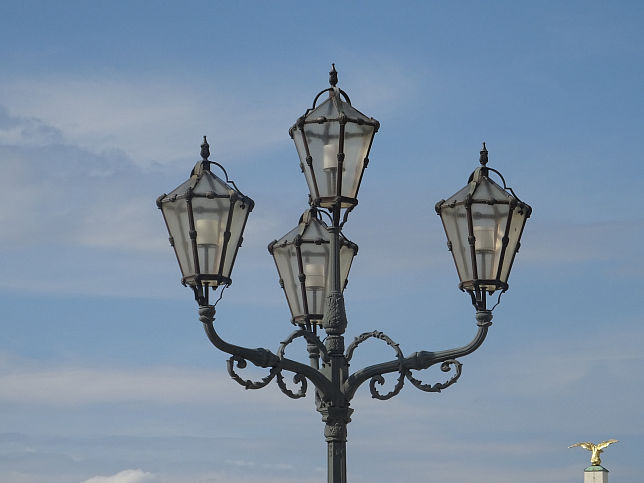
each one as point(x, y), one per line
point(105, 373)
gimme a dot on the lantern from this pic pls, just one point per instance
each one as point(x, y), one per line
point(205, 217)
point(333, 140)
point(483, 223)
point(303, 259)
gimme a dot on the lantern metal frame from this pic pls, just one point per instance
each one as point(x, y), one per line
point(328, 365)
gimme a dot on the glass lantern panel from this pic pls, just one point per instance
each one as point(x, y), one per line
point(346, 258)
point(315, 264)
point(240, 215)
point(488, 224)
point(209, 182)
point(211, 217)
point(316, 258)
point(456, 228)
point(323, 141)
point(288, 272)
point(489, 190)
point(357, 139)
point(517, 222)
point(176, 217)
point(301, 151)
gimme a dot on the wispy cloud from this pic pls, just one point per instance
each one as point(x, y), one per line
point(152, 121)
point(78, 386)
point(126, 476)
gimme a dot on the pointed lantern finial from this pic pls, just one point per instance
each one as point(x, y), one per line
point(205, 150)
point(483, 158)
point(333, 76)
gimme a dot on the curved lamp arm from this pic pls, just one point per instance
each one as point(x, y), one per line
point(419, 360)
point(262, 357)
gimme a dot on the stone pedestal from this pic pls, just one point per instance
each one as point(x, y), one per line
point(595, 474)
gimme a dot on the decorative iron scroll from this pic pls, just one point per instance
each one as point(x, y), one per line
point(439, 386)
point(310, 337)
point(276, 371)
point(247, 383)
point(446, 366)
point(379, 379)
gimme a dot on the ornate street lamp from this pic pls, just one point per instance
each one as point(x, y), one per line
point(483, 223)
point(206, 217)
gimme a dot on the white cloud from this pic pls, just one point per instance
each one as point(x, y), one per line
point(30, 383)
point(150, 120)
point(126, 476)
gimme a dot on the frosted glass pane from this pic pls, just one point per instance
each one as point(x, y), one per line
point(240, 215)
point(346, 258)
point(356, 146)
point(456, 228)
point(323, 141)
point(316, 259)
point(489, 223)
point(516, 228)
point(211, 216)
point(283, 257)
point(301, 151)
point(176, 217)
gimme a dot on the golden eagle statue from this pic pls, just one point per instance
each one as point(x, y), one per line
point(596, 449)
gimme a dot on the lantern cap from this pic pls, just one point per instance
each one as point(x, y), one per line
point(483, 157)
point(333, 76)
point(205, 149)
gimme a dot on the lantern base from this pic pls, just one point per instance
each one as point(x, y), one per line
point(330, 201)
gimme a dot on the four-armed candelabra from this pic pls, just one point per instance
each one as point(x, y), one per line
point(206, 216)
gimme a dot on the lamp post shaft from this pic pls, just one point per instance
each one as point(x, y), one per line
point(336, 412)
point(337, 469)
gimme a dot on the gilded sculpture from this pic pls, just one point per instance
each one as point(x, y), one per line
point(595, 450)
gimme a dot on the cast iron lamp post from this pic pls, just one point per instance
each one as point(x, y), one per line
point(206, 216)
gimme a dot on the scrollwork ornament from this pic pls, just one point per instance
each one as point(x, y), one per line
point(309, 337)
point(247, 383)
point(439, 386)
point(297, 379)
point(379, 379)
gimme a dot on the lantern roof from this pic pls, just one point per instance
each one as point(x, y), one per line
point(309, 229)
point(204, 183)
point(333, 109)
point(482, 189)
